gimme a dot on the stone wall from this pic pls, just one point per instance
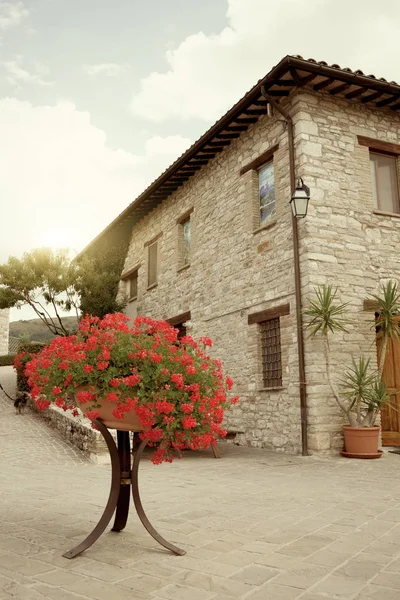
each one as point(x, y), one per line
point(235, 270)
point(343, 241)
point(4, 329)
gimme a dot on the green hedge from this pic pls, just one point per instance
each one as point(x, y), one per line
point(7, 360)
point(27, 350)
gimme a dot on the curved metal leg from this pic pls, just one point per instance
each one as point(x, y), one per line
point(139, 506)
point(124, 452)
point(112, 499)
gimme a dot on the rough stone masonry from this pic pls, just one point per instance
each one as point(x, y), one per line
point(4, 327)
point(237, 269)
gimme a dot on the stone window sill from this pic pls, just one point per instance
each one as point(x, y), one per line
point(267, 226)
point(271, 389)
point(183, 268)
point(132, 299)
point(152, 286)
point(386, 214)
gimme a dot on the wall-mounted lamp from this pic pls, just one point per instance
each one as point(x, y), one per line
point(299, 200)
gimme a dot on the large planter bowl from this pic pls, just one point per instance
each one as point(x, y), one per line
point(130, 422)
point(361, 442)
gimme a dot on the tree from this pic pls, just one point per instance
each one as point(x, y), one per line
point(51, 283)
point(97, 279)
point(44, 280)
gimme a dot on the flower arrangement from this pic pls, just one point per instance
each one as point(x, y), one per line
point(176, 390)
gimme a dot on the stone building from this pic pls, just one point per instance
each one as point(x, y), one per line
point(4, 328)
point(213, 246)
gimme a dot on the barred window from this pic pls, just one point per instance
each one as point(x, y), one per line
point(271, 353)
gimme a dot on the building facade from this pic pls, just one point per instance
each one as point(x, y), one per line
point(4, 329)
point(213, 252)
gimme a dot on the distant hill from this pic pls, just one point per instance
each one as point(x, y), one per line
point(35, 330)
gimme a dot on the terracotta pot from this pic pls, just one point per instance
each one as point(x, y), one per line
point(130, 422)
point(361, 440)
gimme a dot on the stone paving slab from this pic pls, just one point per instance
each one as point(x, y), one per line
point(255, 525)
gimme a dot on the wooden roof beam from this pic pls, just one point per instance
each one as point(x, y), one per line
point(371, 97)
point(323, 84)
point(283, 82)
point(245, 120)
point(219, 143)
point(386, 101)
point(355, 93)
point(227, 136)
point(209, 151)
point(340, 88)
point(256, 111)
point(278, 93)
point(236, 128)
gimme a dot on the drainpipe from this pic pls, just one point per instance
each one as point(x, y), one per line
point(297, 279)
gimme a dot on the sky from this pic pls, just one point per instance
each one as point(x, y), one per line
point(98, 97)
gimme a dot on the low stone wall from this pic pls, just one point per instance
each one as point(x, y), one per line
point(78, 431)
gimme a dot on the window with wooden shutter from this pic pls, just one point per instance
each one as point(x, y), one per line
point(385, 188)
point(152, 264)
point(132, 286)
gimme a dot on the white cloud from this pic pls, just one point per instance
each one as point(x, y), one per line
point(107, 69)
point(207, 74)
point(59, 180)
point(11, 14)
point(16, 74)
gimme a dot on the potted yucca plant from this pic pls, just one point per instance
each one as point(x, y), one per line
point(361, 393)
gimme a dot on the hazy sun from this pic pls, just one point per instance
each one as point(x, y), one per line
point(57, 239)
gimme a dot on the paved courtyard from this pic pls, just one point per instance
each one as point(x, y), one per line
point(256, 525)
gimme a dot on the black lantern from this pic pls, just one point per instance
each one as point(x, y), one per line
point(299, 199)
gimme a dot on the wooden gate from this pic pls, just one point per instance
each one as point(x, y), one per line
point(390, 415)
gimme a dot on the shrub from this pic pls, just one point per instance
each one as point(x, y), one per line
point(25, 354)
point(7, 360)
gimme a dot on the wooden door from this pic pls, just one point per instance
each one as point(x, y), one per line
point(390, 415)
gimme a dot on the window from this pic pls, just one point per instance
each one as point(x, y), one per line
point(271, 353)
point(132, 286)
point(184, 228)
point(179, 322)
point(186, 238)
point(266, 194)
point(152, 264)
point(385, 188)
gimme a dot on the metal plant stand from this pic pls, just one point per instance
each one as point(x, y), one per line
point(123, 476)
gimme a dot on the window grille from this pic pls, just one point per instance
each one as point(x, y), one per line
point(271, 353)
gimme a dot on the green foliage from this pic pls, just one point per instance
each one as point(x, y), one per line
point(388, 307)
point(43, 279)
point(98, 277)
point(357, 382)
point(7, 360)
point(25, 354)
point(324, 314)
point(50, 282)
point(363, 393)
point(378, 395)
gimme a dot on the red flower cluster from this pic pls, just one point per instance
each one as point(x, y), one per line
point(176, 390)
